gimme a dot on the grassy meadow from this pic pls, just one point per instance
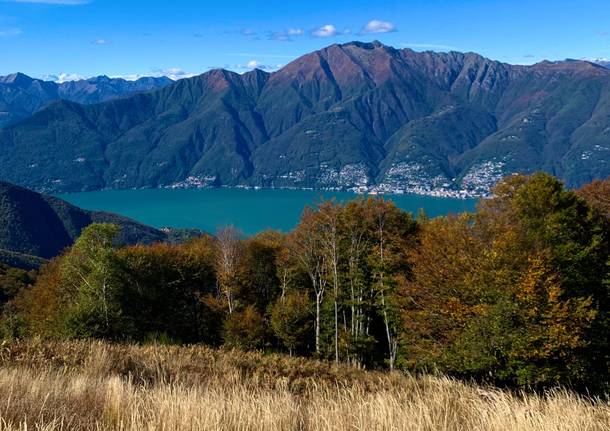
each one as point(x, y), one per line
point(100, 386)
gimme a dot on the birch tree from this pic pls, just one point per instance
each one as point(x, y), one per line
point(304, 244)
point(394, 231)
point(228, 256)
point(357, 243)
point(328, 215)
point(88, 270)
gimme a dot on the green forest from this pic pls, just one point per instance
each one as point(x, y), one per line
point(516, 293)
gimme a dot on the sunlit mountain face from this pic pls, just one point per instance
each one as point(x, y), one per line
point(355, 116)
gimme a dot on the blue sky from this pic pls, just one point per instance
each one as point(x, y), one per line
point(137, 37)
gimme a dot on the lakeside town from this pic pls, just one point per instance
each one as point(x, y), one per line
point(400, 178)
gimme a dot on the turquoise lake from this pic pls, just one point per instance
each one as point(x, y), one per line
point(249, 210)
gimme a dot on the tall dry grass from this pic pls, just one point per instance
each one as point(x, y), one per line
point(96, 386)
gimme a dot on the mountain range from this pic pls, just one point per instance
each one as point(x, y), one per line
point(21, 96)
point(36, 227)
point(356, 116)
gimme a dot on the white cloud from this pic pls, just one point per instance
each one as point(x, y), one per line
point(378, 26)
point(327, 30)
point(101, 42)
point(295, 32)
point(255, 64)
point(63, 77)
point(130, 77)
point(136, 76)
point(173, 73)
point(60, 2)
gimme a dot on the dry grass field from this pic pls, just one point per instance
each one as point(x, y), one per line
point(97, 386)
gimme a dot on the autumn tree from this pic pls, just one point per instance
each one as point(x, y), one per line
point(442, 292)
point(41, 307)
point(162, 287)
point(291, 320)
point(245, 329)
point(259, 279)
point(556, 325)
point(13, 284)
point(229, 252)
point(514, 291)
point(597, 195)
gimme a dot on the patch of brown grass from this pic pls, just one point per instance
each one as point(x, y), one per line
point(97, 386)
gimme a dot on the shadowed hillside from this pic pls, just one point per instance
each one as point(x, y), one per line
point(34, 226)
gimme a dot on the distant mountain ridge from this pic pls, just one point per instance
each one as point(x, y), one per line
point(34, 227)
point(21, 96)
point(356, 116)
point(604, 63)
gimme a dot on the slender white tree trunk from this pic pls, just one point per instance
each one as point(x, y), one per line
point(318, 301)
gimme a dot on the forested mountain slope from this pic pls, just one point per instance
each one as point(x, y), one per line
point(356, 116)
